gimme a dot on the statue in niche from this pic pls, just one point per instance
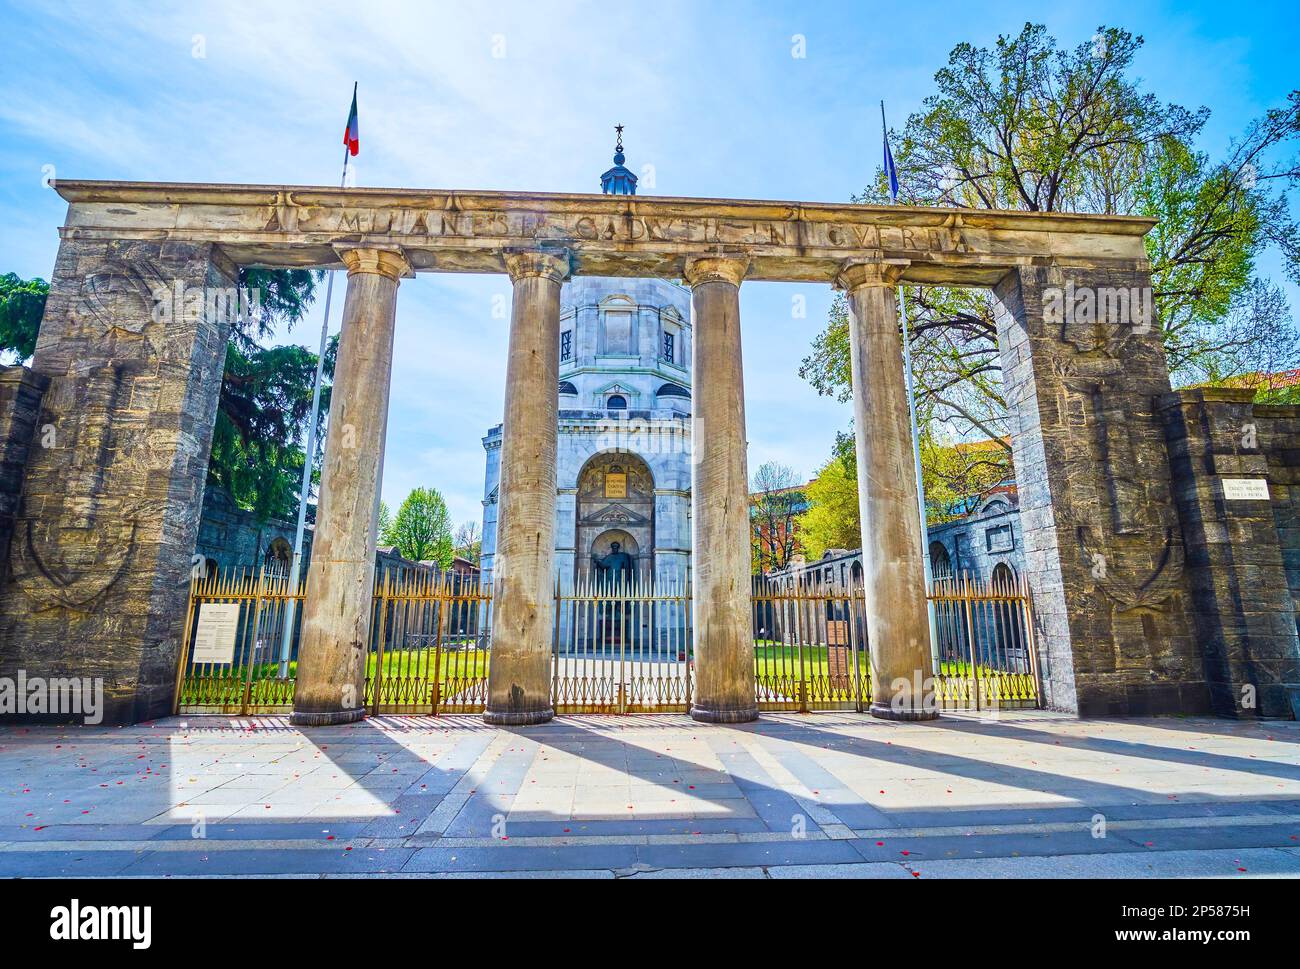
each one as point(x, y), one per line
point(616, 568)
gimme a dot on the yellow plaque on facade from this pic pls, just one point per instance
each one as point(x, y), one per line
point(616, 485)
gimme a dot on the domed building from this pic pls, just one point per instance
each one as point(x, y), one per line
point(624, 467)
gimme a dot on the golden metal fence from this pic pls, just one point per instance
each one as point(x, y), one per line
point(810, 649)
point(621, 647)
point(237, 668)
point(429, 645)
point(984, 631)
point(615, 648)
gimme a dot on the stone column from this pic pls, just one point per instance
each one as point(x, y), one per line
point(519, 671)
point(898, 627)
point(340, 582)
point(724, 638)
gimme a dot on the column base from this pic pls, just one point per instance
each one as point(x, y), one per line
point(712, 715)
point(885, 711)
point(511, 718)
point(327, 718)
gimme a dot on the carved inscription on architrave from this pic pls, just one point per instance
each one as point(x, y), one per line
point(526, 225)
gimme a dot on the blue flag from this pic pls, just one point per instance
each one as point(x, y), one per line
point(890, 171)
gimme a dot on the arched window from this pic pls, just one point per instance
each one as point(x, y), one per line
point(1004, 575)
point(940, 561)
point(616, 402)
point(1009, 620)
point(673, 390)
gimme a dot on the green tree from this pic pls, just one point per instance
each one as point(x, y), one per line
point(22, 302)
point(1029, 125)
point(385, 520)
point(775, 501)
point(422, 529)
point(261, 419)
point(951, 472)
point(266, 394)
point(833, 519)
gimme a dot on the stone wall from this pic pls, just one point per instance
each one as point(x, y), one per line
point(1243, 604)
point(231, 538)
point(1279, 439)
point(978, 543)
point(20, 406)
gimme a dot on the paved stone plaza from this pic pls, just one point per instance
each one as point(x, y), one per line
point(645, 797)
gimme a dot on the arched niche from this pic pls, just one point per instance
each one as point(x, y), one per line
point(616, 502)
point(940, 561)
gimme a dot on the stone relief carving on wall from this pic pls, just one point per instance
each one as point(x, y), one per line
point(1151, 593)
point(1105, 505)
point(72, 576)
point(120, 295)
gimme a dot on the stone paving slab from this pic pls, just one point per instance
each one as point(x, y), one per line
point(835, 795)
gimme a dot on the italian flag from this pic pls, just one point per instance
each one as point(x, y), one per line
point(352, 134)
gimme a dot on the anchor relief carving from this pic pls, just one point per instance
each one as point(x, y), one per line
point(74, 560)
point(1110, 510)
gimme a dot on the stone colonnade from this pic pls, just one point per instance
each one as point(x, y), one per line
point(336, 618)
point(1156, 532)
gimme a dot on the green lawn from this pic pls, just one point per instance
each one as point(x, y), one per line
point(773, 663)
point(412, 662)
point(782, 658)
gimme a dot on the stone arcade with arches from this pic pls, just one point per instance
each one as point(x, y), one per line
point(1159, 584)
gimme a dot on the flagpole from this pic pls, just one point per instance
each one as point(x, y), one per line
point(295, 569)
point(916, 441)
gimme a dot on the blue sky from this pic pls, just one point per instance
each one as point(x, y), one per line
point(509, 95)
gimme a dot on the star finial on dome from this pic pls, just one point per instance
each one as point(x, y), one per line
point(618, 180)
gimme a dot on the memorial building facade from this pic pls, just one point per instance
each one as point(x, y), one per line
point(623, 474)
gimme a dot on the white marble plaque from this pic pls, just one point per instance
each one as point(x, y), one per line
point(214, 642)
point(1245, 489)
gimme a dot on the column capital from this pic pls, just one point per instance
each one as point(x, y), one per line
point(383, 262)
point(552, 264)
point(858, 273)
point(715, 269)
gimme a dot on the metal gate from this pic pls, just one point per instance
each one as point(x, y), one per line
point(622, 648)
point(811, 652)
point(985, 649)
point(428, 649)
point(615, 648)
point(429, 645)
point(810, 648)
